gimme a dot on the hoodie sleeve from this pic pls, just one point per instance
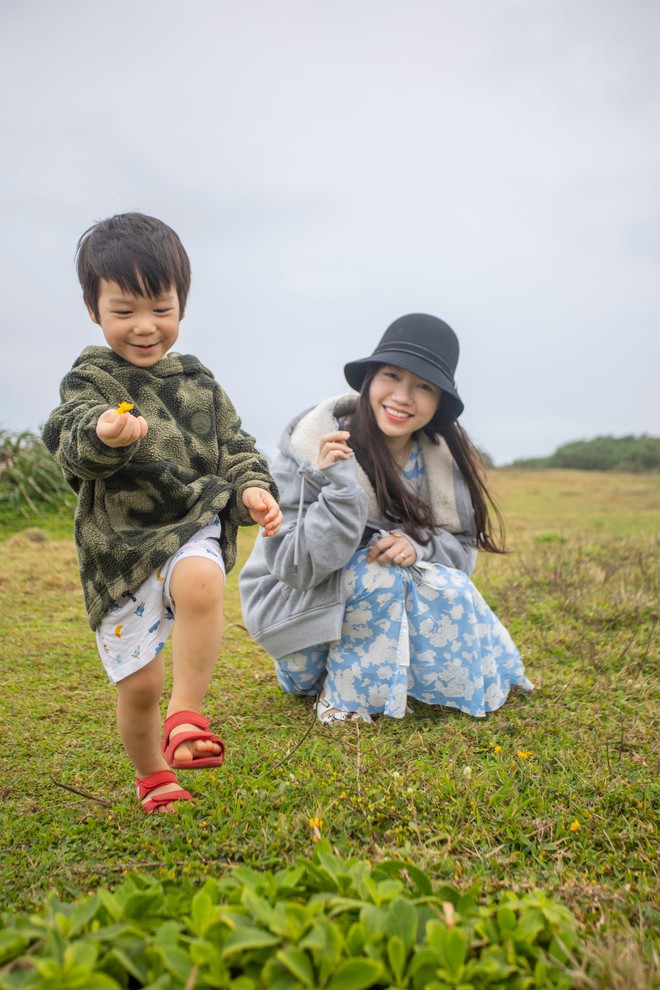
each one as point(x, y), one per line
point(322, 528)
point(70, 430)
point(451, 550)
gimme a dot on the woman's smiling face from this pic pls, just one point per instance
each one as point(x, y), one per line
point(402, 403)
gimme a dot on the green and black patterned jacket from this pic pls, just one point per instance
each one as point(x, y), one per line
point(138, 505)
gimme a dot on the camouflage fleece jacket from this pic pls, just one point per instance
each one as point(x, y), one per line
point(138, 505)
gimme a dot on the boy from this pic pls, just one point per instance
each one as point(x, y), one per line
point(164, 475)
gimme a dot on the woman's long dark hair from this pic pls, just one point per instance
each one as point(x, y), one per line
point(395, 499)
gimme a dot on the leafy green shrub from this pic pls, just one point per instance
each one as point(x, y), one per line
point(327, 922)
point(29, 477)
point(633, 455)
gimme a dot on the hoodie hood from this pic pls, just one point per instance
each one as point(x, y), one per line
point(300, 441)
point(172, 364)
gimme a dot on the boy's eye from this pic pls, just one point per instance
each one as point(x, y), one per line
point(162, 311)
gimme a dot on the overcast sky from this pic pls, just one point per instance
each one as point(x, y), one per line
point(333, 164)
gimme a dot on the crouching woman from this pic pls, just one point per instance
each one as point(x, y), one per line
point(364, 597)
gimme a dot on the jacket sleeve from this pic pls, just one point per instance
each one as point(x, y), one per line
point(451, 550)
point(239, 461)
point(320, 537)
point(70, 430)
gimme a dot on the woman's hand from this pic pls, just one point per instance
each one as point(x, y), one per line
point(333, 448)
point(393, 549)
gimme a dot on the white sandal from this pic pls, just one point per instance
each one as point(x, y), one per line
point(327, 715)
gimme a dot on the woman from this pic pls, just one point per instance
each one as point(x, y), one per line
point(363, 597)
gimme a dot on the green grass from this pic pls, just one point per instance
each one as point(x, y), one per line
point(488, 802)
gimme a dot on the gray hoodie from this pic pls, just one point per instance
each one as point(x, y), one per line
point(292, 588)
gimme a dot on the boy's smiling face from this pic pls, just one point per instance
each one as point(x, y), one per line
point(141, 330)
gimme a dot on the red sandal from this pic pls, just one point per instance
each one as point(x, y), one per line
point(145, 786)
point(171, 745)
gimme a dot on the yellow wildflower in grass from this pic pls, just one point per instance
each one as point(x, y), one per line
point(315, 824)
point(575, 826)
point(524, 753)
point(124, 407)
point(497, 749)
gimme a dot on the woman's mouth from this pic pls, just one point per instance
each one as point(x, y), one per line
point(396, 414)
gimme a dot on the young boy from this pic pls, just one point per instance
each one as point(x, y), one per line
point(164, 475)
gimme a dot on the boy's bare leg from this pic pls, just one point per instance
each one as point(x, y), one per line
point(138, 720)
point(197, 589)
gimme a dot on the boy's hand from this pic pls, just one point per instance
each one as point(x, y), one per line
point(263, 509)
point(120, 429)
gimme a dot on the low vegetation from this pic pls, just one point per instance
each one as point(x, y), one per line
point(30, 480)
point(638, 455)
point(324, 923)
point(550, 801)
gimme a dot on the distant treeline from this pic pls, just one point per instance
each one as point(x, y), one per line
point(638, 455)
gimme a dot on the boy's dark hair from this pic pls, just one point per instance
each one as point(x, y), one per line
point(142, 254)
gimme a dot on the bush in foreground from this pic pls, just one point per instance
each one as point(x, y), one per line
point(327, 922)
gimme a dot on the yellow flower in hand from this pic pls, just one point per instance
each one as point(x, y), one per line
point(124, 407)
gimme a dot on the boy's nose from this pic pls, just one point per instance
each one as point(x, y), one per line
point(143, 324)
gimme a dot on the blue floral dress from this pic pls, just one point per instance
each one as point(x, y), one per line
point(422, 631)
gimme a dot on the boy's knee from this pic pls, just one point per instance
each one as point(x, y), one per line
point(197, 585)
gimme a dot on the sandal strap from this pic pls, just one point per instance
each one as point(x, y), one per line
point(177, 718)
point(172, 742)
point(158, 800)
point(148, 784)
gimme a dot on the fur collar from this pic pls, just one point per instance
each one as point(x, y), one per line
point(438, 463)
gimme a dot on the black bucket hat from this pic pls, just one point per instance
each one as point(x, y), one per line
point(424, 345)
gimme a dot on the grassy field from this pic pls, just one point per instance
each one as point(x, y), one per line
point(558, 790)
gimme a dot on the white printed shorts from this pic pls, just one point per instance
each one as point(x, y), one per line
point(136, 627)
